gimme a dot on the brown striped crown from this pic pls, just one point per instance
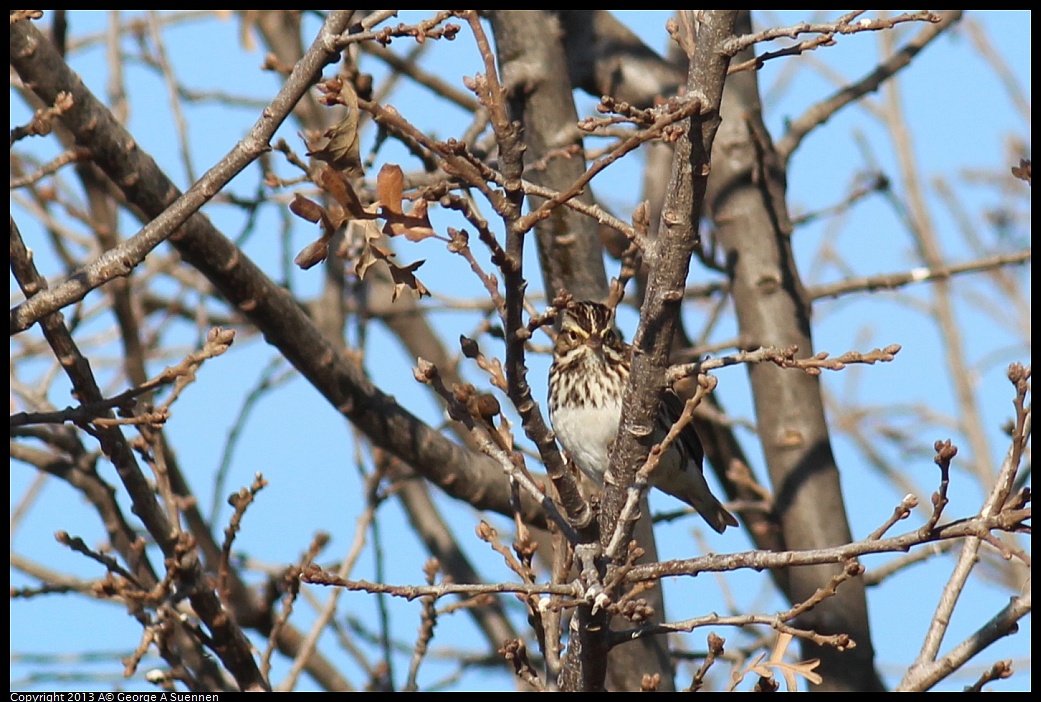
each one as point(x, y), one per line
point(587, 323)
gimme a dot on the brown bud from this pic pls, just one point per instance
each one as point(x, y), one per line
point(487, 406)
point(469, 346)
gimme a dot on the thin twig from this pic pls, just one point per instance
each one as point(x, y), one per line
point(820, 113)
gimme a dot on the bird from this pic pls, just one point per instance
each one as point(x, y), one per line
point(586, 381)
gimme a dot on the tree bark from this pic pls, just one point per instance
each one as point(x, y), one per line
point(746, 200)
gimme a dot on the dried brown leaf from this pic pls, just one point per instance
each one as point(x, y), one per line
point(312, 254)
point(414, 226)
point(370, 252)
point(790, 671)
point(336, 184)
point(365, 261)
point(342, 151)
point(308, 209)
point(389, 185)
point(1022, 171)
point(405, 279)
point(418, 226)
point(413, 229)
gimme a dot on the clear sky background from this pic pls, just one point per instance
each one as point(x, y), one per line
point(962, 120)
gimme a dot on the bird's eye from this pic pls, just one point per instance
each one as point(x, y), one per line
point(610, 336)
point(569, 335)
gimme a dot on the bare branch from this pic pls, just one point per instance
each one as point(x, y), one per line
point(820, 113)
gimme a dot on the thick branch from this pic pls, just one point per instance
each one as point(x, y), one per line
point(747, 202)
point(669, 262)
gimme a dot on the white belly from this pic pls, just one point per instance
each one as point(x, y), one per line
point(587, 434)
